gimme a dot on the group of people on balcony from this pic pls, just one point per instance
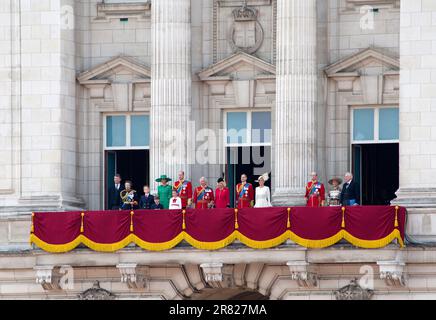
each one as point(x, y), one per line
point(181, 194)
point(348, 195)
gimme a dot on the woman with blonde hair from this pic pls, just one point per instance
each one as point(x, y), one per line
point(263, 194)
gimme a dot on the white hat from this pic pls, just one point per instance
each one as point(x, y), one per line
point(265, 177)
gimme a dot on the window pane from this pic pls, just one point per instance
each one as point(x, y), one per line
point(116, 131)
point(261, 127)
point(389, 124)
point(236, 127)
point(140, 131)
point(363, 124)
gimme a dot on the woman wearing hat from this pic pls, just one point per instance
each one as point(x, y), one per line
point(263, 194)
point(222, 195)
point(164, 191)
point(334, 194)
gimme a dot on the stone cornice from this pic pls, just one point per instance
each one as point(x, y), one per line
point(93, 76)
point(210, 73)
point(106, 11)
point(353, 5)
point(345, 66)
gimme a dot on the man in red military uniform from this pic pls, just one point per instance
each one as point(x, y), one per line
point(315, 192)
point(184, 189)
point(203, 195)
point(244, 193)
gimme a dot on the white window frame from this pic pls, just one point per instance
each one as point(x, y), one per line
point(376, 125)
point(249, 128)
point(128, 132)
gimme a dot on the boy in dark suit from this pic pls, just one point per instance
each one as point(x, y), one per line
point(157, 205)
point(350, 195)
point(147, 200)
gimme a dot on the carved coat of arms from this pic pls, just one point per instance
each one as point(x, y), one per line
point(246, 33)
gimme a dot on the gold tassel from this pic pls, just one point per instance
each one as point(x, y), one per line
point(343, 217)
point(81, 223)
point(32, 228)
point(236, 219)
point(288, 225)
point(396, 217)
point(131, 221)
point(184, 223)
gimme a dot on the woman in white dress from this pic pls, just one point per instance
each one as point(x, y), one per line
point(263, 194)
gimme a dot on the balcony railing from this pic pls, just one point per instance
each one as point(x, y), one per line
point(212, 229)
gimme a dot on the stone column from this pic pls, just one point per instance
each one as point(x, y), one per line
point(417, 105)
point(296, 98)
point(41, 108)
point(170, 87)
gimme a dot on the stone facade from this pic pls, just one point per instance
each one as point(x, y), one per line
point(66, 64)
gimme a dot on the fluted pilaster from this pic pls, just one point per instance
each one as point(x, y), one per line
point(170, 86)
point(295, 141)
point(417, 109)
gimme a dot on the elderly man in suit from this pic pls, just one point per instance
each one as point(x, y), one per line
point(350, 195)
point(114, 198)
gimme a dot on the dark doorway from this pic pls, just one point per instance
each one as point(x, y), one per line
point(376, 169)
point(132, 165)
point(253, 161)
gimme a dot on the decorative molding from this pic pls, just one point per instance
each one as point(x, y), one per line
point(215, 30)
point(348, 63)
point(392, 272)
point(48, 277)
point(302, 272)
point(97, 75)
point(239, 3)
point(213, 273)
point(274, 30)
point(107, 11)
point(353, 291)
point(246, 25)
point(211, 72)
point(120, 84)
point(135, 277)
point(355, 5)
point(96, 293)
point(361, 88)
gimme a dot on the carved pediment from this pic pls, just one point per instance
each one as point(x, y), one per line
point(239, 66)
point(120, 69)
point(120, 84)
point(365, 59)
point(369, 76)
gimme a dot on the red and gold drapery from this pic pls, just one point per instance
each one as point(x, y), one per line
point(157, 230)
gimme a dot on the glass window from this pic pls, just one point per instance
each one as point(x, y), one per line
point(236, 127)
point(389, 124)
point(363, 124)
point(139, 131)
point(261, 127)
point(116, 131)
